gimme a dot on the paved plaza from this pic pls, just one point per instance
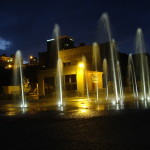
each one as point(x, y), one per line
point(79, 125)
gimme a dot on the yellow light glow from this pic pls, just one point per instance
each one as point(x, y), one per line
point(81, 65)
point(9, 66)
point(83, 110)
point(31, 57)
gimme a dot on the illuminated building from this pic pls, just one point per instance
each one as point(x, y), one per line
point(79, 70)
point(76, 74)
point(6, 62)
point(47, 59)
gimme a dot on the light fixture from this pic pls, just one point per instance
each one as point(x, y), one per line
point(81, 65)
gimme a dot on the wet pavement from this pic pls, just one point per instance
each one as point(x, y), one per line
point(79, 125)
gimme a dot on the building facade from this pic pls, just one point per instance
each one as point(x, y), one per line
point(78, 71)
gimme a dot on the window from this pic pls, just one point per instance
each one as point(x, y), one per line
point(70, 82)
point(66, 64)
point(49, 85)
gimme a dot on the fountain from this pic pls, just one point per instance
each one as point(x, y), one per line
point(88, 78)
point(132, 83)
point(119, 77)
point(59, 77)
point(96, 65)
point(148, 78)
point(59, 74)
point(142, 70)
point(105, 73)
point(85, 76)
point(116, 81)
point(18, 75)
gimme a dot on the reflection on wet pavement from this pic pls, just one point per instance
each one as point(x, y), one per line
point(76, 108)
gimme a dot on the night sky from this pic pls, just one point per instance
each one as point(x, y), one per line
point(26, 25)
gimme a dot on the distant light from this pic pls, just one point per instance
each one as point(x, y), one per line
point(50, 40)
point(81, 65)
point(71, 39)
point(9, 66)
point(31, 57)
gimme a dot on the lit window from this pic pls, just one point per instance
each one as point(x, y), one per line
point(50, 40)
